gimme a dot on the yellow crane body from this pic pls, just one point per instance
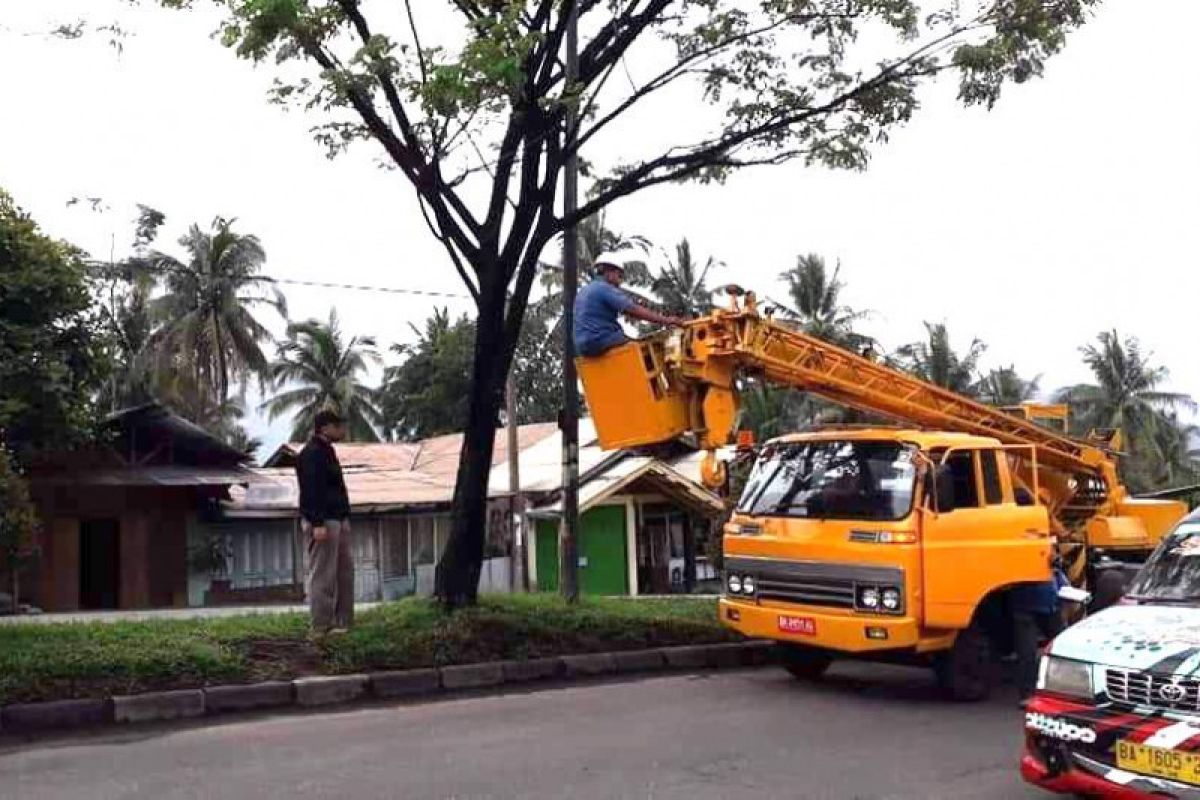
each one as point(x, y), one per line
point(986, 495)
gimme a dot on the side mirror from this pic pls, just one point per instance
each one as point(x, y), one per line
point(943, 481)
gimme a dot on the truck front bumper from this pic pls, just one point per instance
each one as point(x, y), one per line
point(830, 629)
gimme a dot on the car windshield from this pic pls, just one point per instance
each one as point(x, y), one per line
point(832, 480)
point(1173, 570)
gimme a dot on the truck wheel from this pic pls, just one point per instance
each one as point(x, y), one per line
point(804, 662)
point(965, 671)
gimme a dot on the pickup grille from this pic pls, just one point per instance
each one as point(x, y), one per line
point(1150, 689)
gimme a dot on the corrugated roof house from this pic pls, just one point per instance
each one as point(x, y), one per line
point(117, 517)
point(401, 493)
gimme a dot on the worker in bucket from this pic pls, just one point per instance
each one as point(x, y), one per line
point(598, 305)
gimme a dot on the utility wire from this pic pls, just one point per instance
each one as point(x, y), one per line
point(105, 268)
point(365, 288)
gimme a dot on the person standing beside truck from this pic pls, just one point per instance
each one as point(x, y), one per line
point(325, 514)
point(600, 303)
point(1037, 616)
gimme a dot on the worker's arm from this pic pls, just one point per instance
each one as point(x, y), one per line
point(641, 312)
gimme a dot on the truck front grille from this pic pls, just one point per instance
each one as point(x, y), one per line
point(813, 592)
point(812, 583)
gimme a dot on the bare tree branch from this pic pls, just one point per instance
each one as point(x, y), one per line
point(679, 69)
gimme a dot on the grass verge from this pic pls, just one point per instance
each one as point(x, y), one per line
point(60, 661)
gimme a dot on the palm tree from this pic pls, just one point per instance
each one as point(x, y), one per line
point(325, 369)
point(1126, 394)
point(1126, 397)
point(935, 360)
point(1005, 387)
point(1178, 458)
point(680, 285)
point(816, 303)
point(207, 325)
point(426, 394)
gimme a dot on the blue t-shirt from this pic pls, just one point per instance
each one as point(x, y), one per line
point(597, 307)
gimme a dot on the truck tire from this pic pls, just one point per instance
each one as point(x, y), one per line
point(804, 663)
point(965, 671)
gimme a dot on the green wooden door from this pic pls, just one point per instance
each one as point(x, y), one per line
point(602, 552)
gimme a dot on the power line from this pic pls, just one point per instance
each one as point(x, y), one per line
point(365, 288)
point(106, 267)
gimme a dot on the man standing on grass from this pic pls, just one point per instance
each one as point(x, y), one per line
point(325, 510)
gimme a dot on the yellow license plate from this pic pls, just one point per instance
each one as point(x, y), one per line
point(1170, 764)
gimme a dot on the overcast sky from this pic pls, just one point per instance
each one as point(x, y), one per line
point(1069, 209)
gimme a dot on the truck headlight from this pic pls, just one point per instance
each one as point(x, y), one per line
point(868, 597)
point(891, 599)
point(748, 584)
point(735, 584)
point(1065, 676)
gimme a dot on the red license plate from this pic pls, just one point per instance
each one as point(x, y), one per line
point(804, 626)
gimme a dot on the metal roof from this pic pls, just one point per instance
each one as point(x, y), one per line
point(385, 477)
point(152, 476)
point(630, 470)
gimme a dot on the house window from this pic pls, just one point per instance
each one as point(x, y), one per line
point(262, 553)
point(424, 539)
point(395, 547)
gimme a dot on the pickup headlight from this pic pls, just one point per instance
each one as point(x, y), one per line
point(1066, 677)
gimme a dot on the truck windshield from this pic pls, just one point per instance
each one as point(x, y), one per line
point(832, 480)
point(1173, 570)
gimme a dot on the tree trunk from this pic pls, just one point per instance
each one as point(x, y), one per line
point(458, 570)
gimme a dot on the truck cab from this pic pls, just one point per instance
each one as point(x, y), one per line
point(884, 543)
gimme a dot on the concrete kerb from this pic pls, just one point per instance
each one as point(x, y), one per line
point(537, 669)
point(159, 706)
point(583, 666)
point(473, 676)
point(56, 715)
point(248, 697)
point(639, 661)
point(329, 690)
point(406, 683)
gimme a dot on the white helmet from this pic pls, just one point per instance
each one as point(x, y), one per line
point(609, 259)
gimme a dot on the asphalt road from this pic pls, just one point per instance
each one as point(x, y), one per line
point(867, 731)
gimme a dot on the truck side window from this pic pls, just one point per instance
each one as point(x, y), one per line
point(992, 491)
point(962, 469)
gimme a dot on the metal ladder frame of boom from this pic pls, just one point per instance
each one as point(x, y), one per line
point(713, 350)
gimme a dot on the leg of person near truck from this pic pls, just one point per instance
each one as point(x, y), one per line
point(1030, 629)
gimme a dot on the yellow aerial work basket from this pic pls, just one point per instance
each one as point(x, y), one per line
point(631, 396)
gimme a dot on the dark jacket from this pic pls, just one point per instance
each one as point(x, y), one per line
point(322, 489)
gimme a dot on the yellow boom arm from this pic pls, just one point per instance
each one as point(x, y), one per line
point(685, 383)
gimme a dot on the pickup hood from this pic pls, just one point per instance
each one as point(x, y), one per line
point(1158, 638)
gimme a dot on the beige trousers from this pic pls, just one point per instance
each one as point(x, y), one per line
point(330, 577)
